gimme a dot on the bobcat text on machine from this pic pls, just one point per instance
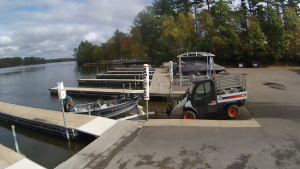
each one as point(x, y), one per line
point(212, 95)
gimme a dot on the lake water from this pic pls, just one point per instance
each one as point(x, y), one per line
point(29, 86)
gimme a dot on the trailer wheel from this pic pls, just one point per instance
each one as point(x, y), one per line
point(233, 111)
point(188, 115)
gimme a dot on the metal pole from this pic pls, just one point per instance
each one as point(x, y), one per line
point(139, 79)
point(179, 64)
point(207, 65)
point(129, 86)
point(123, 91)
point(52, 82)
point(79, 75)
point(62, 109)
point(135, 80)
point(89, 110)
point(147, 114)
point(15, 139)
point(97, 70)
point(107, 68)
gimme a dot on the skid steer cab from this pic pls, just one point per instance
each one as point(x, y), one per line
point(211, 98)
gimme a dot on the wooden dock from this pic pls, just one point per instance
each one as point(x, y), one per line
point(160, 84)
point(95, 81)
point(95, 91)
point(120, 76)
point(11, 159)
point(127, 72)
point(52, 121)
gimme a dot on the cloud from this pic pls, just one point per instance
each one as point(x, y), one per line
point(52, 29)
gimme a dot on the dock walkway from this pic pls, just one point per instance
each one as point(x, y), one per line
point(52, 121)
point(127, 72)
point(160, 84)
point(95, 91)
point(95, 81)
point(9, 159)
point(120, 76)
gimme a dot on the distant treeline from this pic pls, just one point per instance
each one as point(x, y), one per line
point(18, 61)
point(60, 60)
point(251, 30)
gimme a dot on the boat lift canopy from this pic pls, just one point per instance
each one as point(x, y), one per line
point(209, 61)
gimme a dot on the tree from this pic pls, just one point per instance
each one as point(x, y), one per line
point(84, 53)
point(292, 27)
point(255, 42)
point(178, 32)
point(138, 50)
point(272, 26)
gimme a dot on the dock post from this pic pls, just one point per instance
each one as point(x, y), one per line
point(135, 80)
point(97, 70)
point(139, 79)
point(79, 75)
point(63, 112)
point(89, 110)
point(123, 91)
point(171, 75)
point(107, 68)
point(15, 139)
point(129, 86)
point(52, 82)
point(146, 87)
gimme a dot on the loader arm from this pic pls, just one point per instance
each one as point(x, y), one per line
point(180, 102)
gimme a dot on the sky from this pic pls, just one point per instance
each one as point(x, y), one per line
point(53, 28)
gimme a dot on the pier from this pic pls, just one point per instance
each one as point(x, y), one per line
point(52, 121)
point(121, 76)
point(128, 72)
point(95, 81)
point(96, 91)
point(9, 159)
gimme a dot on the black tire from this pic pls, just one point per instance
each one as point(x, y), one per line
point(188, 115)
point(232, 111)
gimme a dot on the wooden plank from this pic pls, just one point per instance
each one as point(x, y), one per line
point(108, 80)
point(8, 157)
point(45, 116)
point(96, 90)
point(160, 83)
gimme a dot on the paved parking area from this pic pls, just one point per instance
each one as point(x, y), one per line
point(276, 144)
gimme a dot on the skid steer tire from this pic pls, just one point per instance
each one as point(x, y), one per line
point(189, 115)
point(232, 111)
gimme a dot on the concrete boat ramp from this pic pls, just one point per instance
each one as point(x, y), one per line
point(111, 132)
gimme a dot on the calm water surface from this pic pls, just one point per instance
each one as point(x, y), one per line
point(29, 86)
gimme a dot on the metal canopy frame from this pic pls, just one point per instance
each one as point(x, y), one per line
point(196, 54)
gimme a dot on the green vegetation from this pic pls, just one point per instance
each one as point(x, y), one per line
point(17, 61)
point(267, 31)
point(60, 60)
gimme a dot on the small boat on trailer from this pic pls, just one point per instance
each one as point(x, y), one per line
point(111, 108)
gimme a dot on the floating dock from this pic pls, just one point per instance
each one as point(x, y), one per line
point(120, 76)
point(160, 84)
point(52, 121)
point(9, 159)
point(96, 91)
point(96, 81)
point(127, 72)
